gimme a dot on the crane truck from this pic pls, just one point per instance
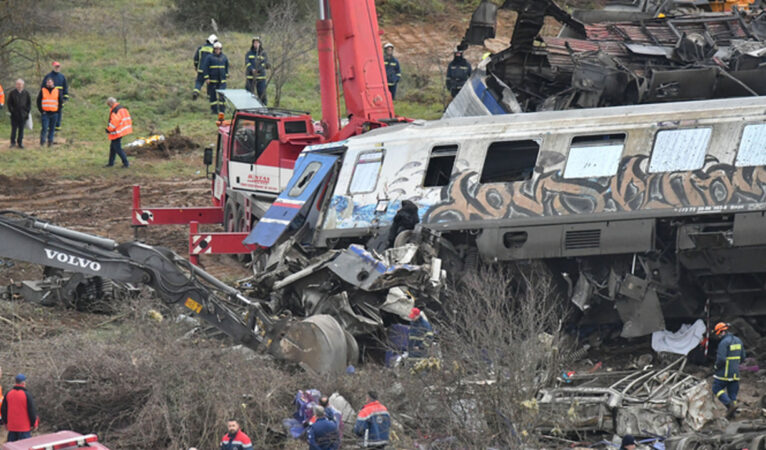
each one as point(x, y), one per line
point(257, 148)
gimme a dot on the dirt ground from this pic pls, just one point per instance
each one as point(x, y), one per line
point(102, 207)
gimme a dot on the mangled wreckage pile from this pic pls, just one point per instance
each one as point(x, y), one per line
point(646, 52)
point(364, 291)
point(674, 409)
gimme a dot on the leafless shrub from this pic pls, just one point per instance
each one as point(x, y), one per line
point(139, 386)
point(501, 339)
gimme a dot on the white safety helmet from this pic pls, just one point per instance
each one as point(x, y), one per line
point(217, 45)
point(388, 45)
point(212, 39)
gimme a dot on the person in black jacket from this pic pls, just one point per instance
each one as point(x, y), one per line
point(458, 72)
point(19, 105)
point(405, 219)
point(256, 63)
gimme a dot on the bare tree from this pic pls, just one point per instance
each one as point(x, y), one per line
point(288, 39)
point(19, 21)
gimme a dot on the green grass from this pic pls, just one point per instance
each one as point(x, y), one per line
point(136, 54)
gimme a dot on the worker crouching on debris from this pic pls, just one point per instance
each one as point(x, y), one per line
point(323, 433)
point(420, 337)
point(373, 423)
point(120, 124)
point(405, 219)
point(726, 379)
point(18, 411)
point(235, 438)
point(216, 72)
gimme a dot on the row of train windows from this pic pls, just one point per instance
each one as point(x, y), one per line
point(589, 157)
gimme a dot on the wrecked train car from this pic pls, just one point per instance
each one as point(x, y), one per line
point(618, 56)
point(645, 212)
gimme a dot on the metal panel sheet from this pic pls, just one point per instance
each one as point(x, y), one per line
point(309, 176)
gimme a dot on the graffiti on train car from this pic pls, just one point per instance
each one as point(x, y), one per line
point(633, 189)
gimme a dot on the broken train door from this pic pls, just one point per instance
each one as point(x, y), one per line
point(299, 202)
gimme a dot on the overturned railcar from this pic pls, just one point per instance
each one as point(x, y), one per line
point(654, 211)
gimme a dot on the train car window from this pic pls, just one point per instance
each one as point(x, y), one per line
point(243, 142)
point(440, 165)
point(305, 179)
point(752, 147)
point(365, 176)
point(676, 150)
point(510, 161)
point(594, 156)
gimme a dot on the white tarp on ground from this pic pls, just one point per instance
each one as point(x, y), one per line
point(682, 341)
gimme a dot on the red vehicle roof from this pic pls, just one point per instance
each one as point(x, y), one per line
point(61, 438)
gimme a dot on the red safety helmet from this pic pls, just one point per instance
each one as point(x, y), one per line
point(720, 327)
point(414, 313)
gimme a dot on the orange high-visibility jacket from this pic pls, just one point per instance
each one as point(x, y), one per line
point(120, 123)
point(50, 100)
point(2, 96)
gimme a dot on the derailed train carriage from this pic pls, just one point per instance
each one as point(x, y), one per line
point(646, 212)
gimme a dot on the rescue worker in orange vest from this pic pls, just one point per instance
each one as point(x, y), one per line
point(2, 97)
point(49, 105)
point(120, 124)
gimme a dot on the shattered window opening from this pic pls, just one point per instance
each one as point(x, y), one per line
point(306, 177)
point(510, 161)
point(676, 150)
point(365, 176)
point(440, 165)
point(752, 147)
point(243, 142)
point(594, 156)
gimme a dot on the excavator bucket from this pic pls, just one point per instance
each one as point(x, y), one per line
point(319, 344)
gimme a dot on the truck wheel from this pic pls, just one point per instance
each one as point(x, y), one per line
point(240, 226)
point(229, 216)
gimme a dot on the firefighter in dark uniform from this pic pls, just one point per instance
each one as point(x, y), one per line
point(216, 72)
point(256, 63)
point(726, 379)
point(202, 52)
point(393, 71)
point(458, 72)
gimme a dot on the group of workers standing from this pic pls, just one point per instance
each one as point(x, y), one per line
point(54, 92)
point(212, 67)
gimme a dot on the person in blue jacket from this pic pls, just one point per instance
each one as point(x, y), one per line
point(323, 433)
point(373, 423)
point(216, 72)
point(730, 354)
